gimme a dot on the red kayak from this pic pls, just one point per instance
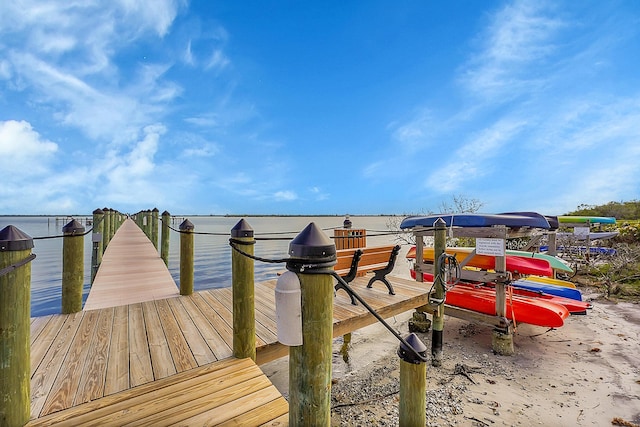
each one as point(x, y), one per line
point(573, 306)
point(521, 309)
point(515, 263)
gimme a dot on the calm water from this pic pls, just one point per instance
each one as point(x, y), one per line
point(212, 265)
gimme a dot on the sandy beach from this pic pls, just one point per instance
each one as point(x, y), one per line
point(586, 373)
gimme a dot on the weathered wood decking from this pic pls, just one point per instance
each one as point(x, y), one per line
point(131, 271)
point(80, 357)
point(164, 361)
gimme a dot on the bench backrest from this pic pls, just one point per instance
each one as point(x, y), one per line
point(370, 256)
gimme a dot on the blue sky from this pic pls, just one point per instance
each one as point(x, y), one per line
point(288, 107)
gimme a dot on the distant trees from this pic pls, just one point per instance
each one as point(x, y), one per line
point(619, 210)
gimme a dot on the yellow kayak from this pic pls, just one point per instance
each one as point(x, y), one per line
point(551, 281)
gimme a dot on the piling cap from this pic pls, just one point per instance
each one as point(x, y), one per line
point(166, 213)
point(98, 212)
point(186, 225)
point(155, 210)
point(312, 244)
point(242, 229)
point(407, 354)
point(13, 239)
point(440, 223)
point(73, 227)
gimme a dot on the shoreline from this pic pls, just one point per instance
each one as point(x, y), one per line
point(586, 373)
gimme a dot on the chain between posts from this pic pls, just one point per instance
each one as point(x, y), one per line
point(323, 269)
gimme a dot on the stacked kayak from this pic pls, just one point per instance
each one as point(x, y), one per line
point(515, 263)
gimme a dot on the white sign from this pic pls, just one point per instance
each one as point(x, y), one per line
point(493, 247)
point(581, 232)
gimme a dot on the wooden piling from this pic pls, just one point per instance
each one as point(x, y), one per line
point(164, 244)
point(72, 267)
point(97, 236)
point(186, 257)
point(15, 339)
point(106, 230)
point(243, 286)
point(154, 227)
point(413, 384)
point(310, 363)
point(437, 326)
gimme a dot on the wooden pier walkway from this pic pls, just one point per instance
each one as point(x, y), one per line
point(131, 271)
point(169, 361)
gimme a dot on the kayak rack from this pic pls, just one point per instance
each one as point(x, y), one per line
point(502, 341)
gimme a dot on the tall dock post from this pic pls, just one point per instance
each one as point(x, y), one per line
point(72, 267)
point(106, 230)
point(96, 238)
point(154, 227)
point(186, 257)
point(310, 363)
point(242, 282)
point(15, 326)
point(439, 247)
point(164, 243)
point(413, 384)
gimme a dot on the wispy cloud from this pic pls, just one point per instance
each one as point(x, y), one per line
point(519, 38)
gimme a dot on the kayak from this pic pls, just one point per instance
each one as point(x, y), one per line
point(569, 219)
point(478, 220)
point(521, 309)
point(515, 264)
point(551, 281)
point(560, 291)
point(555, 262)
point(595, 235)
point(572, 305)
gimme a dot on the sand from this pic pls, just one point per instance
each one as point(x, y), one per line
point(586, 373)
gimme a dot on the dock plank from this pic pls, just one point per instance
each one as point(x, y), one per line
point(44, 378)
point(180, 351)
point(197, 344)
point(140, 371)
point(161, 360)
point(64, 391)
point(91, 384)
point(117, 378)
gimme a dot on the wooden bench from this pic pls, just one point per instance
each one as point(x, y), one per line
point(228, 392)
point(377, 259)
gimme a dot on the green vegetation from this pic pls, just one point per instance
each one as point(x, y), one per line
point(618, 276)
point(620, 210)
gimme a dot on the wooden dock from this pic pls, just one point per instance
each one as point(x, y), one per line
point(131, 271)
point(167, 361)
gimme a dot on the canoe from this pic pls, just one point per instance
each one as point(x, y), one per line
point(552, 220)
point(560, 291)
point(569, 219)
point(522, 310)
point(477, 220)
point(551, 281)
point(573, 306)
point(555, 262)
point(521, 265)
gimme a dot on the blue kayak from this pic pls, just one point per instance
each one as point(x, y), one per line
point(559, 291)
point(478, 220)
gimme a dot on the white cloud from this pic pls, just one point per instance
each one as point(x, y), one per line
point(519, 37)
point(217, 61)
point(24, 150)
point(474, 159)
point(285, 196)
